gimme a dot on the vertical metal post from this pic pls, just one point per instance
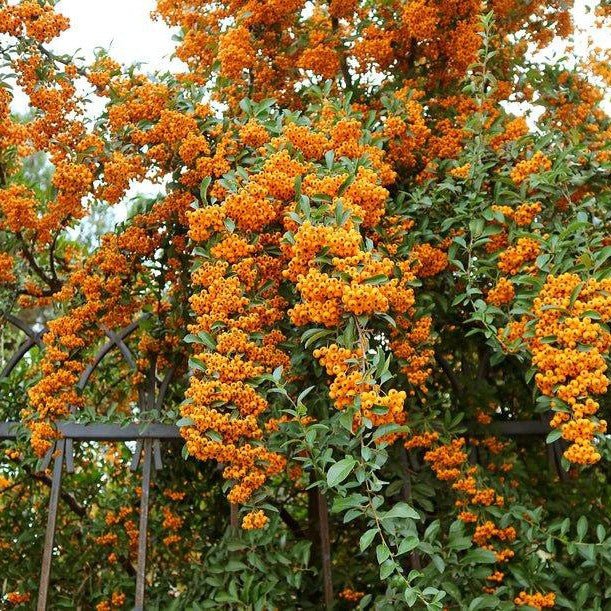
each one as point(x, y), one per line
point(47, 556)
point(233, 516)
point(147, 460)
point(325, 549)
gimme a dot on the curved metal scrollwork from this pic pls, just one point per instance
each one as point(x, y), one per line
point(33, 338)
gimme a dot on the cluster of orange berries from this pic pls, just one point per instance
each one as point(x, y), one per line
point(536, 164)
point(407, 132)
point(423, 440)
point(358, 284)
point(117, 600)
point(355, 280)
point(36, 20)
point(430, 261)
point(254, 520)
point(100, 284)
point(513, 130)
point(119, 170)
point(350, 384)
point(449, 461)
point(411, 344)
point(42, 435)
point(566, 371)
point(523, 215)
point(322, 59)
point(226, 409)
point(512, 260)
point(124, 517)
point(536, 600)
point(101, 72)
point(18, 208)
point(18, 598)
point(233, 41)
point(351, 595)
point(488, 530)
point(172, 523)
point(253, 134)
point(7, 275)
point(503, 292)
point(461, 172)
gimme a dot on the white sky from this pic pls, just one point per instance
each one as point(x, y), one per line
point(123, 27)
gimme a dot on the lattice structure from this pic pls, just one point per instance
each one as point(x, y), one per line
point(148, 437)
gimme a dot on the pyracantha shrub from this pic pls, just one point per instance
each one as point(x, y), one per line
point(379, 260)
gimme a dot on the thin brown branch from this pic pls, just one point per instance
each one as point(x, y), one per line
point(54, 285)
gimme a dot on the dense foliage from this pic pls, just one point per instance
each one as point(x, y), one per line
point(382, 234)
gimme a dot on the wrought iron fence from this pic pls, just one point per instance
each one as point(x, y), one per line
point(147, 455)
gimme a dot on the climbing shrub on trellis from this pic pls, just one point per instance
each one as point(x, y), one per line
point(357, 345)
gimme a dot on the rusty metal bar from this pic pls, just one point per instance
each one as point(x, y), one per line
point(8, 430)
point(47, 557)
point(163, 388)
point(103, 432)
point(147, 460)
point(155, 430)
point(521, 427)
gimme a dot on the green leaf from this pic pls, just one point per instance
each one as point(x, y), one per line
point(382, 553)
point(340, 471)
point(341, 504)
point(185, 422)
point(313, 335)
point(203, 189)
point(440, 565)
point(480, 556)
point(601, 533)
point(214, 436)
point(484, 602)
point(575, 293)
point(402, 510)
point(207, 339)
point(374, 280)
point(408, 544)
point(387, 569)
point(582, 527)
point(411, 596)
point(367, 538)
